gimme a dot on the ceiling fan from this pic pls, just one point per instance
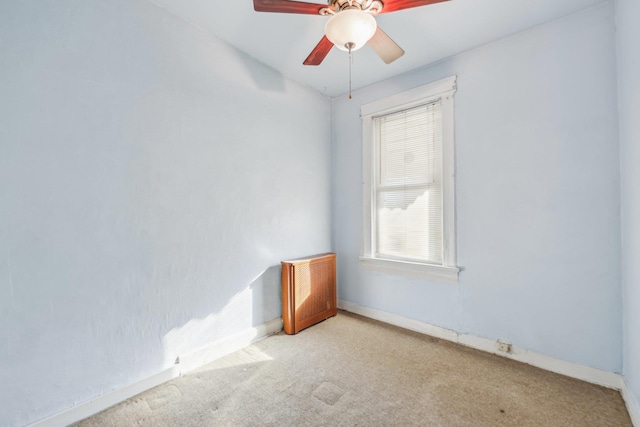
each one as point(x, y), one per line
point(352, 24)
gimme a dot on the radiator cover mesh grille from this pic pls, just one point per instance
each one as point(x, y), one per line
point(308, 291)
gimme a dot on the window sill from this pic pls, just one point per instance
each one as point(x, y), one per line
point(412, 269)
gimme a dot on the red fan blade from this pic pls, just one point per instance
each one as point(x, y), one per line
point(386, 48)
point(319, 52)
point(287, 6)
point(393, 5)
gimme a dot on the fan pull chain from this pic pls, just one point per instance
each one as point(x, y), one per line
point(350, 46)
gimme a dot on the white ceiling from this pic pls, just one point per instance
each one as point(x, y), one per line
point(427, 34)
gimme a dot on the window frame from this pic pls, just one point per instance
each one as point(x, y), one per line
point(443, 91)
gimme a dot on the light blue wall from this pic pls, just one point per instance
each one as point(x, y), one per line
point(538, 228)
point(627, 18)
point(151, 179)
point(142, 216)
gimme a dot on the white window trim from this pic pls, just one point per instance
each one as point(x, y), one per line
point(442, 90)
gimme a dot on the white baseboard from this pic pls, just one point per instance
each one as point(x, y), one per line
point(633, 407)
point(107, 400)
point(229, 345)
point(573, 370)
point(188, 363)
point(221, 348)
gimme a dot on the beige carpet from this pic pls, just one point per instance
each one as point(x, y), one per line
point(352, 371)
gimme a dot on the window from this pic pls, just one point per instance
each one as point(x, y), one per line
point(408, 183)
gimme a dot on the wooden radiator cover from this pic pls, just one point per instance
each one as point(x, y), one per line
point(308, 291)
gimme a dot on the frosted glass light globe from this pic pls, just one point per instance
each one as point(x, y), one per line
point(350, 26)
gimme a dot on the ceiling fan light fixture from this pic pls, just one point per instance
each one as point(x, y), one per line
point(350, 27)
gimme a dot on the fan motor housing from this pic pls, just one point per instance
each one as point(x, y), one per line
point(373, 6)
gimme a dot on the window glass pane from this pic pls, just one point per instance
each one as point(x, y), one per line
point(409, 224)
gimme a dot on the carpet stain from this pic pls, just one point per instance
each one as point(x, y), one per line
point(164, 395)
point(279, 383)
point(328, 393)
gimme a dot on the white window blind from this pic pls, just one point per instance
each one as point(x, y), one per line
point(408, 189)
